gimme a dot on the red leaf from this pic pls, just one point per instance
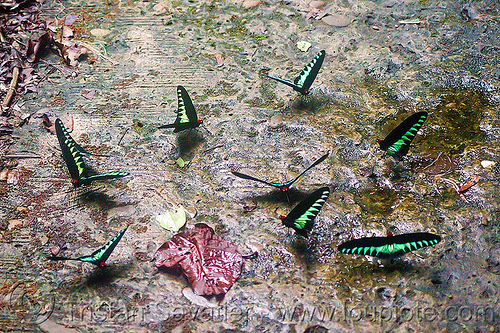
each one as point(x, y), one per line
point(210, 263)
point(473, 180)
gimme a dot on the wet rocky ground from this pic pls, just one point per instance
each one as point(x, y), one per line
point(384, 61)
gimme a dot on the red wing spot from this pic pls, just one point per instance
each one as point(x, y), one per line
point(389, 234)
point(101, 263)
point(379, 140)
point(282, 217)
point(306, 91)
point(284, 188)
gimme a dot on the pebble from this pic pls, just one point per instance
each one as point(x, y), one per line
point(100, 33)
point(487, 164)
point(206, 302)
point(276, 120)
point(249, 4)
point(318, 4)
point(127, 210)
point(336, 20)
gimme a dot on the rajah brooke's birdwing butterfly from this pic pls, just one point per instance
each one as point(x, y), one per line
point(73, 156)
point(186, 114)
point(397, 143)
point(303, 82)
point(390, 246)
point(281, 186)
point(99, 256)
point(301, 218)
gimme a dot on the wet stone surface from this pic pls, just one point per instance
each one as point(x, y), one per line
point(389, 60)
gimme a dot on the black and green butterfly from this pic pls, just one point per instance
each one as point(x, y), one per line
point(301, 218)
point(303, 82)
point(281, 186)
point(186, 114)
point(391, 246)
point(397, 143)
point(73, 156)
point(99, 256)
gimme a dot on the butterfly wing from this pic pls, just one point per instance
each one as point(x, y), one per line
point(104, 176)
point(72, 153)
point(288, 83)
point(390, 246)
point(286, 186)
point(186, 113)
point(301, 218)
point(243, 176)
point(305, 79)
point(100, 256)
point(397, 143)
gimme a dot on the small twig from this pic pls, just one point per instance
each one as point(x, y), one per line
point(123, 135)
point(212, 148)
point(12, 87)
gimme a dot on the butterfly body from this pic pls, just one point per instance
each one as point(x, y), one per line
point(283, 187)
point(99, 256)
point(186, 114)
point(391, 246)
point(301, 218)
point(303, 82)
point(397, 142)
point(73, 156)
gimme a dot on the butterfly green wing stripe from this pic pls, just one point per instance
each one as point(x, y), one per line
point(99, 256)
point(310, 71)
point(301, 218)
point(108, 175)
point(72, 152)
point(185, 112)
point(406, 138)
point(311, 213)
point(288, 83)
point(391, 246)
point(398, 141)
point(70, 141)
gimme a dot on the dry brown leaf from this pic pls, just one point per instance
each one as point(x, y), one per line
point(89, 94)
point(473, 180)
point(67, 32)
point(219, 59)
point(13, 177)
point(49, 119)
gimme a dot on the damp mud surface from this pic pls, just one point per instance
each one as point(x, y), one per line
point(385, 60)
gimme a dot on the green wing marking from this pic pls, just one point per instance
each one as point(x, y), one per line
point(303, 82)
point(185, 111)
point(397, 143)
point(72, 153)
point(309, 73)
point(186, 114)
point(390, 246)
point(73, 156)
point(109, 175)
point(301, 218)
point(100, 256)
